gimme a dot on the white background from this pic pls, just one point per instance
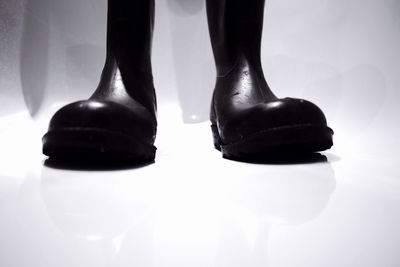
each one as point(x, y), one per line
point(193, 208)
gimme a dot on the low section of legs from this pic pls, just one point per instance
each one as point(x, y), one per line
point(248, 120)
point(118, 122)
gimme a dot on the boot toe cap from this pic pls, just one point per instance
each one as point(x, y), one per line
point(266, 116)
point(288, 111)
point(101, 130)
point(105, 115)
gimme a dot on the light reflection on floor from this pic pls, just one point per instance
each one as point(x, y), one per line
point(193, 208)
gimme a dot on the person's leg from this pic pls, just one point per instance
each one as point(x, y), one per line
point(248, 120)
point(118, 121)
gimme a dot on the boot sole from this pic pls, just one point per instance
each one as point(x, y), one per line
point(277, 142)
point(91, 144)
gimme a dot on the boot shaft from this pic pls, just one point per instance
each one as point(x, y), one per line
point(236, 32)
point(130, 25)
point(127, 72)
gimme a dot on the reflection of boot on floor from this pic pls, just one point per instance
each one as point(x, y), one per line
point(248, 120)
point(119, 119)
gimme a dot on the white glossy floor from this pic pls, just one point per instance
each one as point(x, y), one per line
point(193, 208)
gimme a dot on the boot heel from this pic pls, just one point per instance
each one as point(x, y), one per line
point(216, 137)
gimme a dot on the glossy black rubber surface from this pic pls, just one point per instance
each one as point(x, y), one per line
point(247, 119)
point(119, 120)
point(279, 142)
point(91, 144)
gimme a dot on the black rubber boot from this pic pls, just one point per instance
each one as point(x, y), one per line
point(248, 120)
point(118, 122)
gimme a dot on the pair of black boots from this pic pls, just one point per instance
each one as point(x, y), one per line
point(118, 122)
